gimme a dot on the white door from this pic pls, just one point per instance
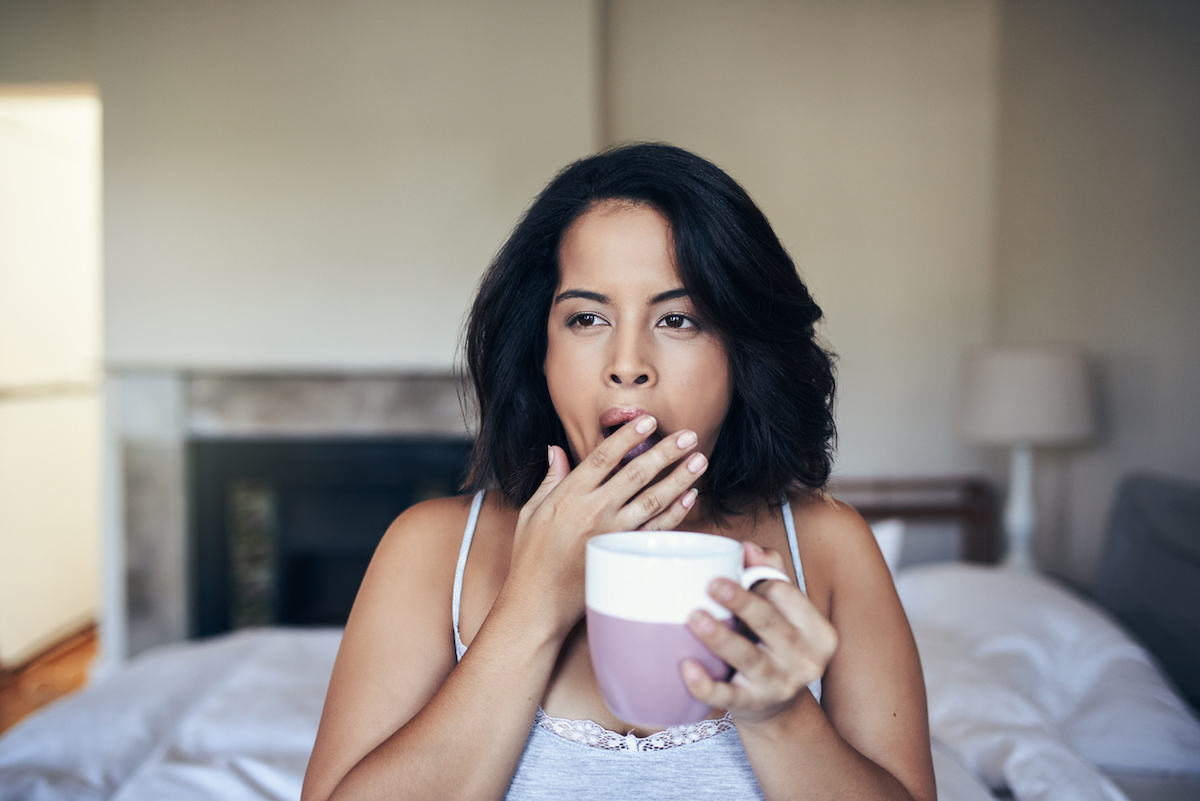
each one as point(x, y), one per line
point(50, 346)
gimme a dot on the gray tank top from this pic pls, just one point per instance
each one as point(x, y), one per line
point(580, 759)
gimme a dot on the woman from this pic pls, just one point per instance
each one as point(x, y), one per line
point(643, 356)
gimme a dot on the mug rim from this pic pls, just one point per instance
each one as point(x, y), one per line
point(718, 546)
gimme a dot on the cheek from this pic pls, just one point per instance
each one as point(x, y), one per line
point(563, 371)
point(708, 386)
point(559, 369)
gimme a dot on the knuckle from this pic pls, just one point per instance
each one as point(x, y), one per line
point(649, 503)
point(793, 684)
point(792, 638)
point(550, 508)
point(830, 643)
point(810, 670)
point(777, 591)
point(635, 474)
point(774, 558)
point(601, 459)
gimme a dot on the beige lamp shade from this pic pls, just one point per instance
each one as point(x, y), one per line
point(1036, 395)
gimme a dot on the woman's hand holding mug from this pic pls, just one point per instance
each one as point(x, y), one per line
point(641, 589)
point(795, 644)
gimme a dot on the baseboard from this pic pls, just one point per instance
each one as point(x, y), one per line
point(59, 640)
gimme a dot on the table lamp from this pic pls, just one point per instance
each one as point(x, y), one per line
point(1023, 396)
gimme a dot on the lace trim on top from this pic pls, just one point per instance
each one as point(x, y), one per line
point(593, 735)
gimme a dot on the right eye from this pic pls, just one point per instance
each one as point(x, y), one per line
point(585, 320)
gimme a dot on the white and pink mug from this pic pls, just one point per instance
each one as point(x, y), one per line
point(641, 587)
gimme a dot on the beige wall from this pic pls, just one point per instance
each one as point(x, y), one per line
point(308, 185)
point(1099, 236)
point(49, 40)
point(865, 130)
point(320, 185)
point(304, 185)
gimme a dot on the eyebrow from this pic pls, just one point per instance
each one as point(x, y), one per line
point(670, 294)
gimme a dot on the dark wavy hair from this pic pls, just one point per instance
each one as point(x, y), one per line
point(779, 432)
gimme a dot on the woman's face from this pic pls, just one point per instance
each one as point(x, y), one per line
point(624, 337)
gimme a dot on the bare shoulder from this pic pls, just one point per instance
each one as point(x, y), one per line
point(432, 527)
point(398, 646)
point(836, 544)
point(826, 520)
point(414, 560)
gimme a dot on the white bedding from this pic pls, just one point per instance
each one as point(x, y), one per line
point(230, 718)
point(1028, 688)
point(1037, 691)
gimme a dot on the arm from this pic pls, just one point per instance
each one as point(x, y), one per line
point(869, 736)
point(401, 720)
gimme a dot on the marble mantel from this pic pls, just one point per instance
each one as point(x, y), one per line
point(151, 417)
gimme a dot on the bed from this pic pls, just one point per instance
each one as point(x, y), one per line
point(1035, 692)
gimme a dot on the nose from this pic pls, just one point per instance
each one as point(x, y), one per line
point(630, 363)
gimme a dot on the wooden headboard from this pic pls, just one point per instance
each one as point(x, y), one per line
point(969, 502)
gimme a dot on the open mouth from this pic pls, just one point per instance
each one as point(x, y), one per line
point(613, 419)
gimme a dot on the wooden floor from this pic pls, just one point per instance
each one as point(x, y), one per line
point(58, 672)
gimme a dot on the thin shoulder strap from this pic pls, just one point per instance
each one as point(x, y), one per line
point(814, 686)
point(468, 535)
point(790, 525)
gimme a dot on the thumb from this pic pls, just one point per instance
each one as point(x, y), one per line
point(556, 471)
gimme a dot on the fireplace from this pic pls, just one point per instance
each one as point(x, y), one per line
point(282, 530)
point(247, 499)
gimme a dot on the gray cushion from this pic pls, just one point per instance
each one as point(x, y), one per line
point(1150, 574)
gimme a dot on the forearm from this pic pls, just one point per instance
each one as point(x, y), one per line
point(800, 755)
point(466, 742)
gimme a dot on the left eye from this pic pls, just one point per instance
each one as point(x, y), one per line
point(677, 321)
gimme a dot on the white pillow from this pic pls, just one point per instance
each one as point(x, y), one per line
point(1102, 691)
point(890, 536)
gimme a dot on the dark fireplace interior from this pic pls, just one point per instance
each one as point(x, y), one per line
point(281, 531)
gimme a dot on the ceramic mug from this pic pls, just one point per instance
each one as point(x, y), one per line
point(641, 588)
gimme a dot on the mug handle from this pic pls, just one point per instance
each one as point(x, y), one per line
point(753, 575)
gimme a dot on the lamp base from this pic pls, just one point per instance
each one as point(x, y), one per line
point(1019, 519)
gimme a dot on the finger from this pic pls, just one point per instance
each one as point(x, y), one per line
point(738, 652)
point(703, 687)
point(819, 636)
point(556, 470)
point(606, 457)
point(675, 513)
point(789, 626)
point(643, 470)
point(657, 498)
point(756, 555)
point(760, 614)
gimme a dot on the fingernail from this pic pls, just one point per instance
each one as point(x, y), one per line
point(549, 455)
point(722, 590)
point(646, 425)
point(693, 672)
point(689, 498)
point(697, 462)
point(686, 439)
point(753, 547)
point(701, 622)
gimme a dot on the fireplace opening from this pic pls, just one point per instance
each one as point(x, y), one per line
point(282, 531)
